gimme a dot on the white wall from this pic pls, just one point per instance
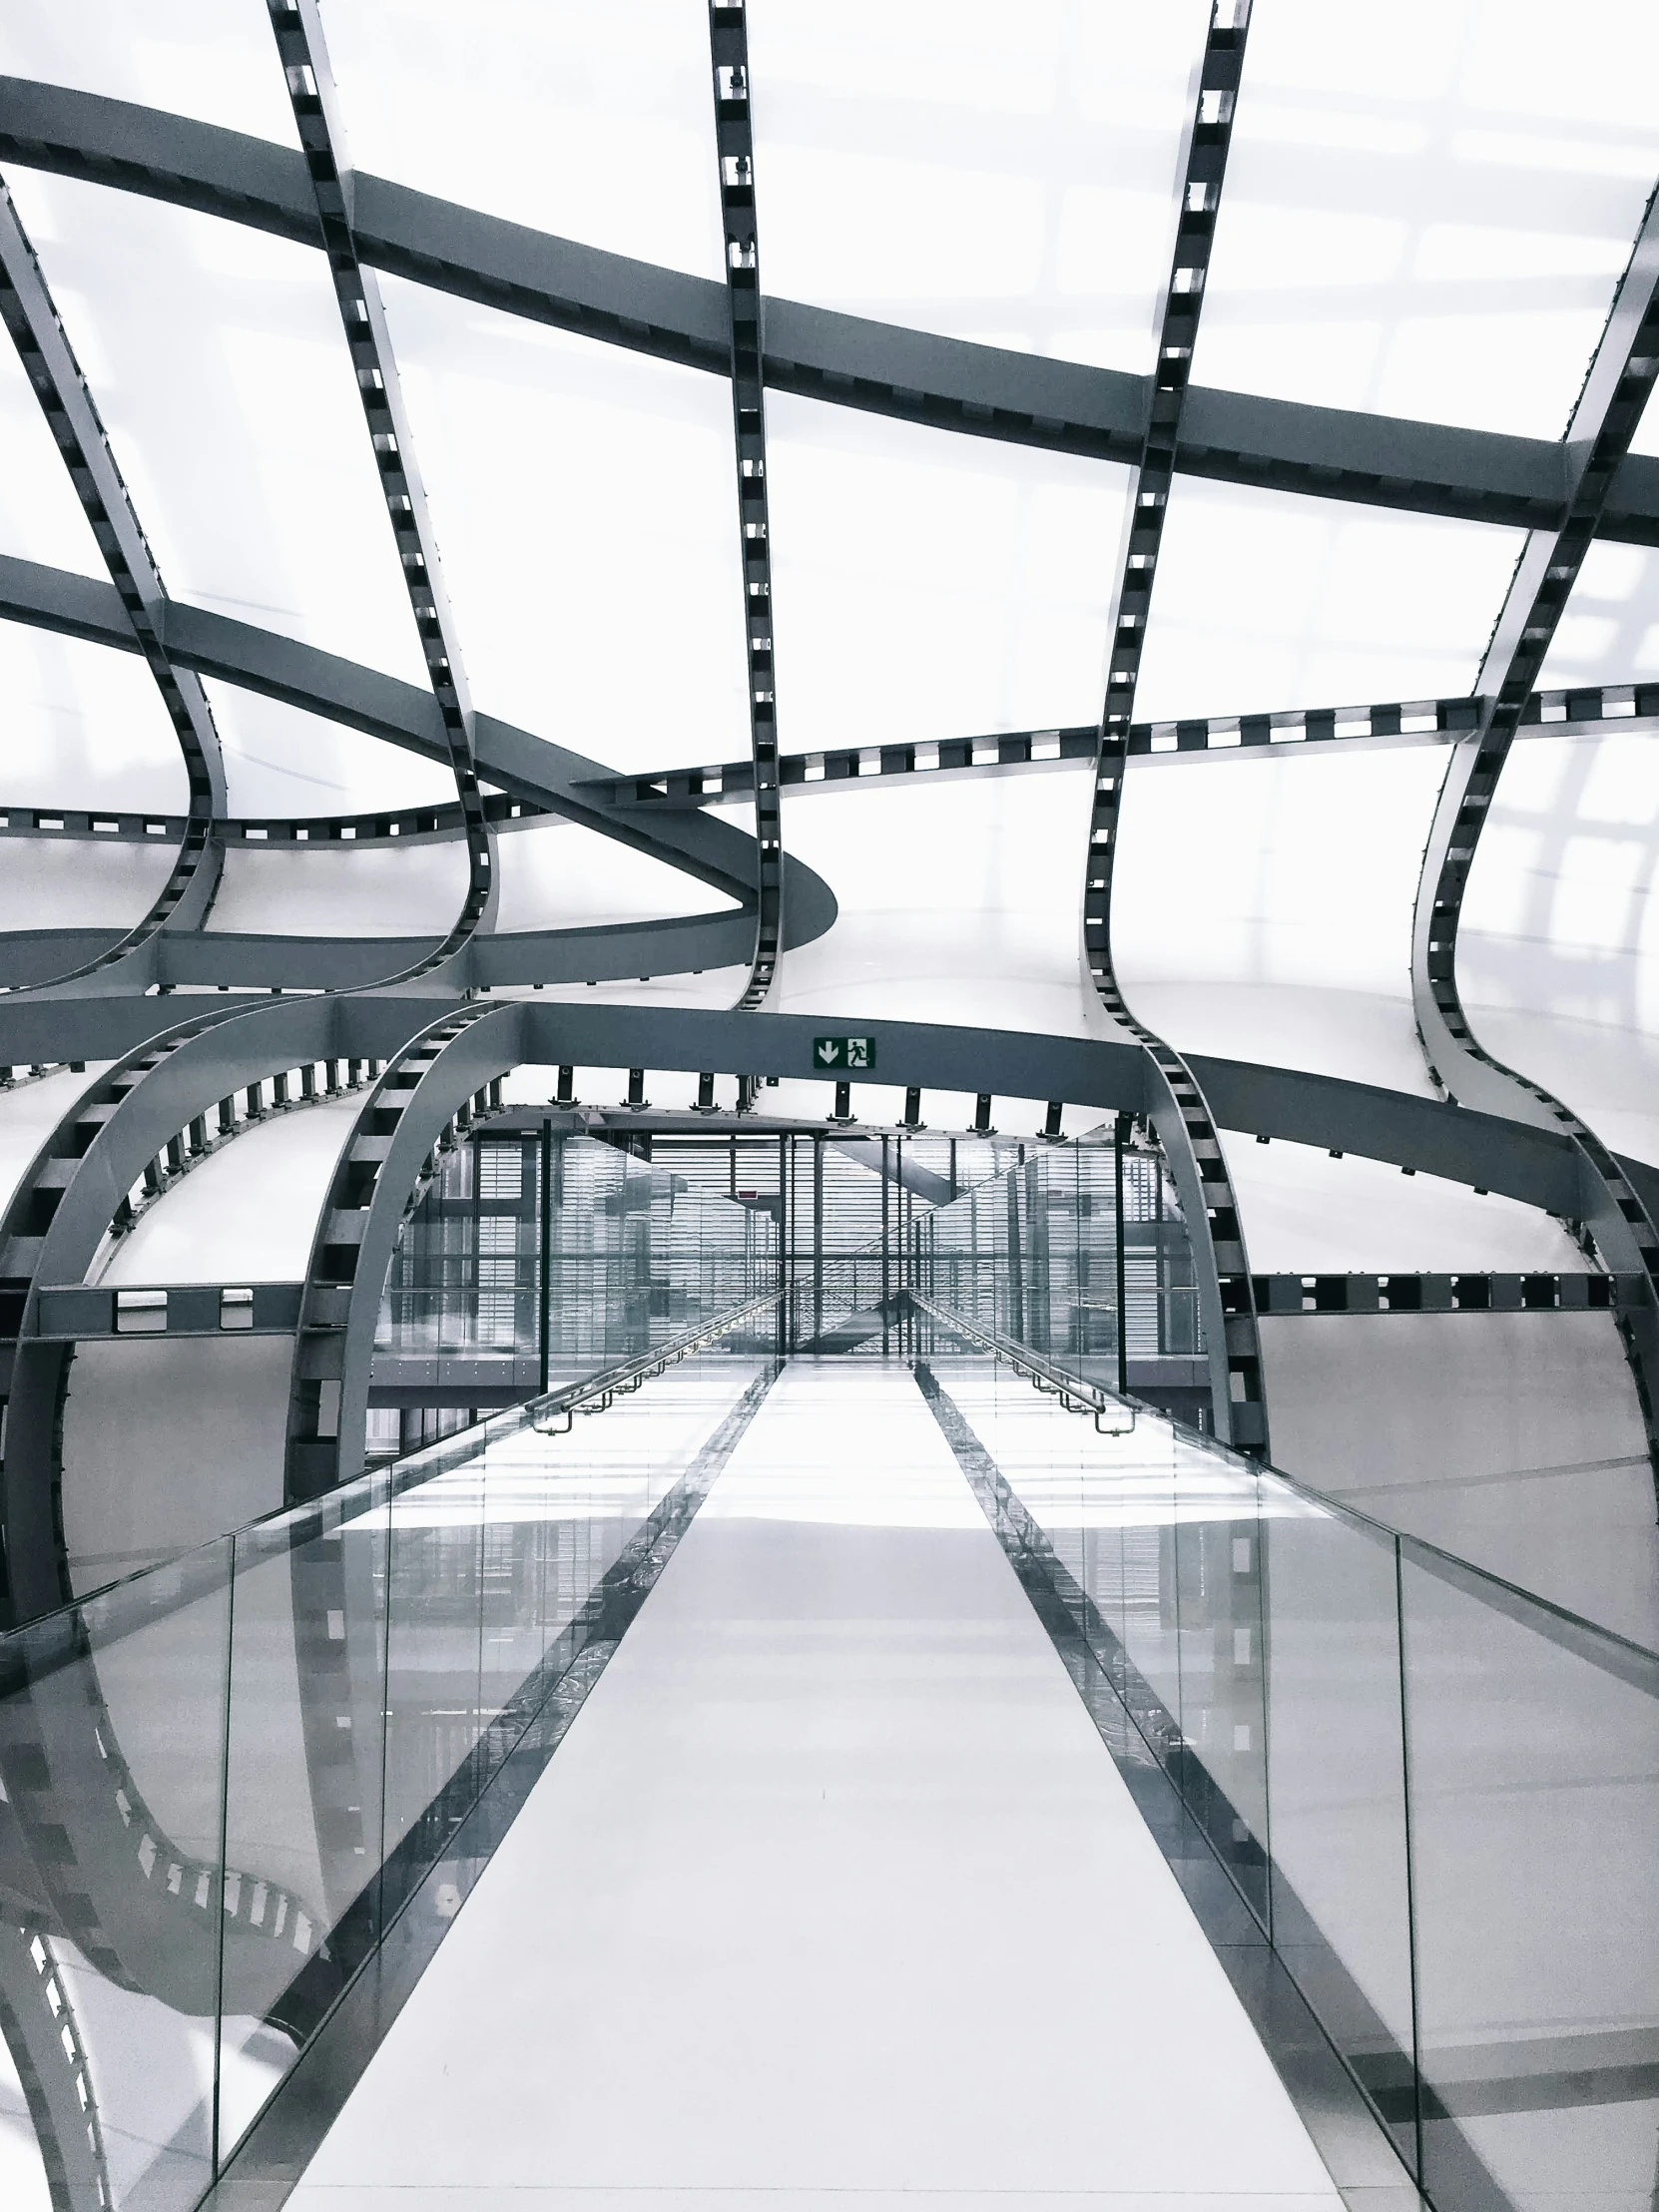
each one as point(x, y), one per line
point(1510, 1439)
point(1308, 1214)
point(1262, 905)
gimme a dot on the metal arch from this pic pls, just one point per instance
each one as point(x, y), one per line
point(326, 1425)
point(146, 1119)
point(526, 767)
point(735, 152)
point(1186, 1125)
point(848, 361)
point(1616, 389)
point(310, 85)
point(66, 400)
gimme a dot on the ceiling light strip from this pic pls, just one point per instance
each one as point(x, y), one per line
point(311, 87)
point(1190, 1130)
point(1616, 391)
point(72, 415)
point(735, 150)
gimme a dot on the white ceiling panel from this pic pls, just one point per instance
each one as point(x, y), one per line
point(83, 725)
point(1305, 1213)
point(1267, 600)
point(1558, 953)
point(341, 890)
point(212, 60)
point(987, 174)
point(929, 586)
point(596, 124)
point(586, 508)
point(1609, 631)
point(1262, 905)
point(558, 875)
point(958, 901)
point(219, 365)
point(1430, 220)
point(281, 762)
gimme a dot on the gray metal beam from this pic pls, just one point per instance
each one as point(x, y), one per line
point(1616, 391)
point(735, 158)
point(715, 851)
point(309, 77)
point(1185, 1125)
point(981, 390)
point(66, 400)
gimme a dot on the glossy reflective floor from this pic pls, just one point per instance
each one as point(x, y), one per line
point(831, 1896)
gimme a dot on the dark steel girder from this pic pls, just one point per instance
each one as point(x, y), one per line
point(72, 416)
point(1186, 1126)
point(710, 850)
point(735, 155)
point(310, 84)
point(1616, 391)
point(950, 383)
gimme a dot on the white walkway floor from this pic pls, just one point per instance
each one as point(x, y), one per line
point(831, 1897)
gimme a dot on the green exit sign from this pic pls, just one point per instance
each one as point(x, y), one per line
point(844, 1053)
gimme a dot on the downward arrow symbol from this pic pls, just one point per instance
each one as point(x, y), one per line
point(827, 1053)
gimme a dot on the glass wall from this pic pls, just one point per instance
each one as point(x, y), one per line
point(633, 1255)
point(1034, 1256)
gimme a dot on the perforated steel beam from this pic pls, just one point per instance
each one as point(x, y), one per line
point(1616, 390)
point(1184, 1121)
point(72, 416)
point(715, 851)
point(735, 152)
point(949, 383)
point(310, 85)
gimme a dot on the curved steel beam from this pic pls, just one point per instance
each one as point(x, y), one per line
point(735, 157)
point(72, 416)
point(1186, 1127)
point(145, 1120)
point(529, 958)
point(334, 1345)
point(304, 57)
point(949, 383)
point(1616, 390)
point(711, 851)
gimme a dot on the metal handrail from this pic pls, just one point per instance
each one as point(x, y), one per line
point(630, 1373)
point(1075, 1394)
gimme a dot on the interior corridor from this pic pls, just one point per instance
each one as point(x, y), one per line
point(832, 1895)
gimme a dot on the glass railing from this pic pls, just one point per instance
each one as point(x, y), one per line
point(221, 1779)
point(1438, 1793)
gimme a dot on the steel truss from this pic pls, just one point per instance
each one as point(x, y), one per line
point(310, 85)
point(72, 416)
point(735, 150)
point(947, 384)
point(1620, 1224)
point(1185, 1125)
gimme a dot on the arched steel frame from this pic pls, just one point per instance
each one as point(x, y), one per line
point(1616, 390)
point(78, 432)
point(1186, 1127)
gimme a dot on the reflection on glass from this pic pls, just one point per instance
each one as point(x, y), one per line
point(1440, 1795)
point(112, 1721)
point(327, 1690)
